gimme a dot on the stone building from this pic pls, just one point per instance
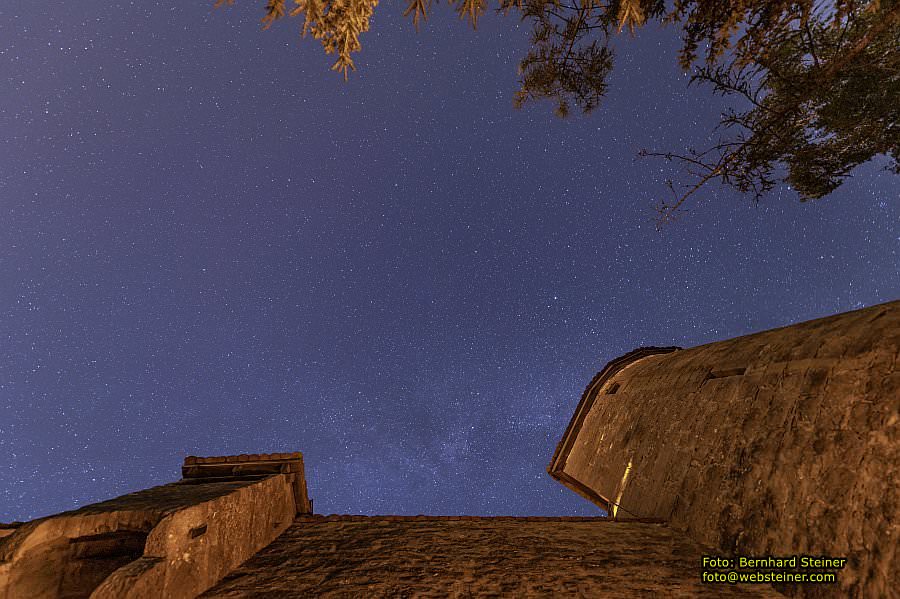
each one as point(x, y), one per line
point(241, 526)
point(783, 442)
point(174, 540)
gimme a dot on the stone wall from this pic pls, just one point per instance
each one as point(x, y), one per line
point(427, 556)
point(172, 541)
point(782, 442)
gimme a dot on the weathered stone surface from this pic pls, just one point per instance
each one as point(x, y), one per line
point(7, 528)
point(475, 557)
point(172, 541)
point(190, 550)
point(782, 442)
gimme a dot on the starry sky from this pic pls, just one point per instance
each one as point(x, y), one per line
point(210, 244)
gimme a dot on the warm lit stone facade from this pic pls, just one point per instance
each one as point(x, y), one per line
point(173, 541)
point(781, 442)
point(426, 556)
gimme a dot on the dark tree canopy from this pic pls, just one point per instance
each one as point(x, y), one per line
point(819, 80)
point(821, 84)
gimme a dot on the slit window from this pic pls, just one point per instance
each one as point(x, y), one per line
point(612, 389)
point(723, 374)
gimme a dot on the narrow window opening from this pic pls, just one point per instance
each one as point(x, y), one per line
point(197, 531)
point(612, 389)
point(879, 315)
point(721, 374)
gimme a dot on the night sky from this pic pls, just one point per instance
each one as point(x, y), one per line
point(210, 244)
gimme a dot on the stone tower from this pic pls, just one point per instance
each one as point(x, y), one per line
point(781, 442)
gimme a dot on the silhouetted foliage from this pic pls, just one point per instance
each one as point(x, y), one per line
point(819, 80)
point(821, 83)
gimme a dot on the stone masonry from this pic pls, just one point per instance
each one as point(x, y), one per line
point(783, 442)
